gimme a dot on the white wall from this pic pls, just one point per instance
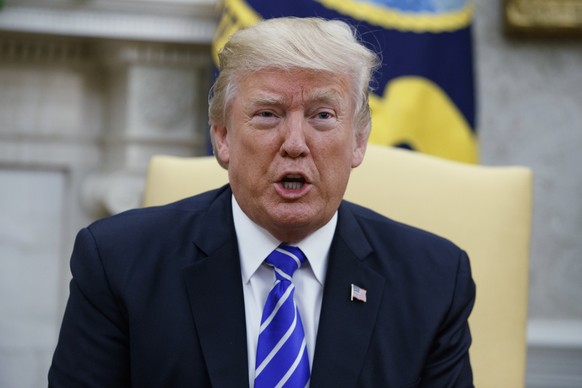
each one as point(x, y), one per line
point(530, 113)
point(30, 250)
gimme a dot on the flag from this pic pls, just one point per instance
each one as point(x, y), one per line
point(423, 98)
point(358, 293)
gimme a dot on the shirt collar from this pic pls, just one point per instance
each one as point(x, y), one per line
point(256, 243)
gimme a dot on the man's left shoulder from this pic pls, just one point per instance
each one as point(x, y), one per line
point(385, 231)
point(418, 258)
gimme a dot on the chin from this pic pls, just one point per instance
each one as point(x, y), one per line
point(296, 218)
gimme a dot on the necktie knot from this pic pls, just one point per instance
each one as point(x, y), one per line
point(286, 259)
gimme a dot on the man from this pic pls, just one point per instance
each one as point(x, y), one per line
point(173, 296)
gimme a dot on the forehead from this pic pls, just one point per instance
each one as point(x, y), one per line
point(293, 86)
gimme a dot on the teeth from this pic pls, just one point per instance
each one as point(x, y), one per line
point(292, 185)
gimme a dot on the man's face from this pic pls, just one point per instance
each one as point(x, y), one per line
point(290, 145)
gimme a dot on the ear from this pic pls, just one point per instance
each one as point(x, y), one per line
point(221, 144)
point(359, 150)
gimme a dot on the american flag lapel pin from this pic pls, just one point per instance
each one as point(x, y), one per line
point(358, 293)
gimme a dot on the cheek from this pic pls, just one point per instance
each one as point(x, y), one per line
point(334, 161)
point(249, 162)
point(240, 145)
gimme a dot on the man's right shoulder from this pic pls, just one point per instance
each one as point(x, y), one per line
point(158, 217)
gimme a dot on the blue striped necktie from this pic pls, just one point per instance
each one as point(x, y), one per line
point(282, 359)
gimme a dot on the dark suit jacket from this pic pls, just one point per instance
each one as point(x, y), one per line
point(156, 300)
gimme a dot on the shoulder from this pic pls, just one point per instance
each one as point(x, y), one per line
point(405, 251)
point(383, 229)
point(141, 243)
point(160, 218)
point(421, 267)
point(156, 232)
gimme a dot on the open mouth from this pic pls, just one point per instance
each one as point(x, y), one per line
point(293, 182)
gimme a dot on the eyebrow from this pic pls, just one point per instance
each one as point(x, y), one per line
point(267, 100)
point(327, 95)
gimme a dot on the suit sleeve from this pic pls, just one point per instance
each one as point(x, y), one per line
point(448, 364)
point(92, 349)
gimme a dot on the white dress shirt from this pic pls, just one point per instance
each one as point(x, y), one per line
point(255, 244)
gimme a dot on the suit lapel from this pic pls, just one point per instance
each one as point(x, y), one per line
point(345, 327)
point(214, 286)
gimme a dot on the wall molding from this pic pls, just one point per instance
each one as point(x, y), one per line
point(121, 53)
point(169, 21)
point(43, 49)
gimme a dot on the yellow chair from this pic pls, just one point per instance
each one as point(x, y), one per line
point(485, 210)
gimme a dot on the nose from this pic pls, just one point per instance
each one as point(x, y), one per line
point(294, 142)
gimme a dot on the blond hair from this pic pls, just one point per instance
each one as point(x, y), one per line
point(294, 43)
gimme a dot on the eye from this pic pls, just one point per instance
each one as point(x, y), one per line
point(324, 119)
point(324, 115)
point(265, 114)
point(265, 119)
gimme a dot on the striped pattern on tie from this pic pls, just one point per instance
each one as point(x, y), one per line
point(282, 359)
